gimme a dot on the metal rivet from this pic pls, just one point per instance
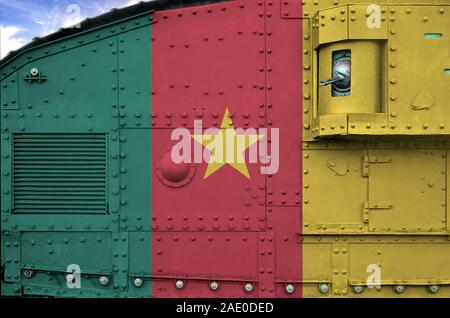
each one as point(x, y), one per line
point(399, 289)
point(104, 280)
point(179, 284)
point(34, 71)
point(214, 285)
point(248, 287)
point(433, 289)
point(290, 288)
point(138, 282)
point(28, 273)
point(358, 289)
point(324, 288)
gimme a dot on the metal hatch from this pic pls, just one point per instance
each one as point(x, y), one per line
point(407, 190)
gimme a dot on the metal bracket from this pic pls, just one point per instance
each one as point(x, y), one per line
point(374, 206)
point(378, 206)
point(367, 160)
point(35, 76)
point(369, 206)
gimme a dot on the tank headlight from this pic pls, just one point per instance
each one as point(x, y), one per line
point(340, 80)
point(342, 69)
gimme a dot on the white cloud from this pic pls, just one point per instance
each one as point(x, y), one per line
point(72, 17)
point(129, 3)
point(48, 20)
point(10, 39)
point(73, 14)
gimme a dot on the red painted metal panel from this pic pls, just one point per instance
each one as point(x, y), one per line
point(243, 56)
point(284, 111)
point(202, 258)
point(291, 9)
point(284, 102)
point(225, 201)
point(286, 223)
point(208, 58)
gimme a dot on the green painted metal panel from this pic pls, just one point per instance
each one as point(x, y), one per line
point(120, 247)
point(70, 42)
point(135, 77)
point(87, 86)
point(82, 79)
point(9, 96)
point(46, 251)
point(6, 174)
point(47, 121)
point(140, 263)
point(140, 254)
point(49, 284)
point(11, 256)
point(136, 179)
point(61, 222)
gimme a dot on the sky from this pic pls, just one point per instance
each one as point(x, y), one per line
point(22, 20)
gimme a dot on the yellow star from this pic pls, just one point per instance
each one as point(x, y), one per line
point(227, 147)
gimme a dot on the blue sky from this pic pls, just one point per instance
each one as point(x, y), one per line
point(21, 20)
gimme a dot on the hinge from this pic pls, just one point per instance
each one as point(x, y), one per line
point(367, 160)
point(365, 167)
point(378, 206)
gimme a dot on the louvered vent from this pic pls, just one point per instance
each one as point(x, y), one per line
point(59, 173)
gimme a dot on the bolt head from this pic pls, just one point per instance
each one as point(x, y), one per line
point(358, 289)
point(324, 288)
point(138, 282)
point(399, 289)
point(34, 71)
point(433, 289)
point(104, 280)
point(28, 273)
point(179, 284)
point(214, 285)
point(248, 287)
point(290, 288)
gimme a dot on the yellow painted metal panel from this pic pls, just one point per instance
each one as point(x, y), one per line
point(309, 78)
point(334, 190)
point(407, 190)
point(331, 25)
point(330, 125)
point(410, 292)
point(318, 266)
point(368, 124)
point(367, 21)
point(400, 263)
point(340, 269)
point(419, 92)
point(310, 7)
point(448, 192)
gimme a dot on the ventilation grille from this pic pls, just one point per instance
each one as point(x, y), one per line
point(59, 173)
